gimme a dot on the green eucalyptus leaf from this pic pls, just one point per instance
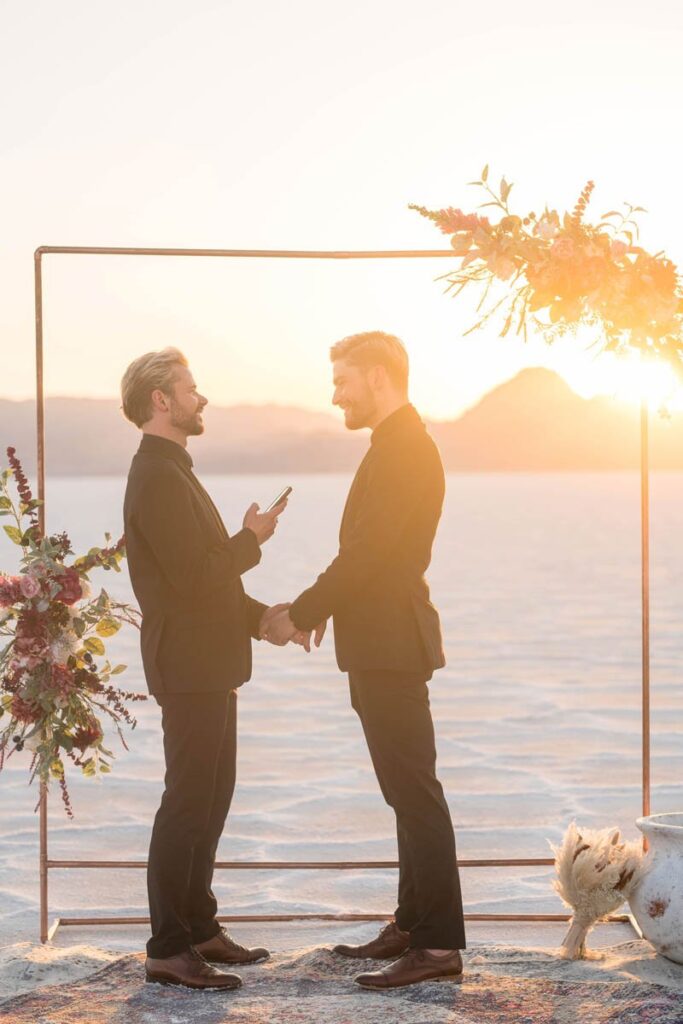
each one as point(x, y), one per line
point(13, 533)
point(94, 645)
point(107, 626)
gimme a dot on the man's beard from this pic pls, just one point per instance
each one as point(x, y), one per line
point(360, 413)
point(189, 423)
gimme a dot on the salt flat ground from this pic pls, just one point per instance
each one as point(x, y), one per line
point(537, 713)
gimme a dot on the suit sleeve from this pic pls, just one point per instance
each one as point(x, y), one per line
point(255, 610)
point(165, 516)
point(397, 484)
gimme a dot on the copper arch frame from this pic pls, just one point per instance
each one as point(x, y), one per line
point(48, 932)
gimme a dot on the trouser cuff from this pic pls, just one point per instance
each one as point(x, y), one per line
point(421, 939)
point(205, 933)
point(162, 950)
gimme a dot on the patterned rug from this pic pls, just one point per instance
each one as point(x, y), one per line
point(316, 987)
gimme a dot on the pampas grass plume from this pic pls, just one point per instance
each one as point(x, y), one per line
point(595, 875)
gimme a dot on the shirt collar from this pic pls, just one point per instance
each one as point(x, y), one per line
point(155, 445)
point(406, 414)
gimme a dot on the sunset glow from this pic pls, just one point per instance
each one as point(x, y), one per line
point(302, 165)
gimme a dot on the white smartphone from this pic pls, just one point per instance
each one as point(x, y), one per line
point(280, 498)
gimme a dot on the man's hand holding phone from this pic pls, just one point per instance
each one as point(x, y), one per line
point(263, 524)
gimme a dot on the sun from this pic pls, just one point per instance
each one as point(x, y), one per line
point(627, 377)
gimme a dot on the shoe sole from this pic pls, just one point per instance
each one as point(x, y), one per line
point(151, 979)
point(455, 979)
point(239, 963)
point(370, 956)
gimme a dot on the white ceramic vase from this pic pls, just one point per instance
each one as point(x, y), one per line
point(657, 900)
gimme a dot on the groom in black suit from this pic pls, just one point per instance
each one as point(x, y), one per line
point(197, 626)
point(388, 639)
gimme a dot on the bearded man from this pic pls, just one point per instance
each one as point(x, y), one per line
point(388, 638)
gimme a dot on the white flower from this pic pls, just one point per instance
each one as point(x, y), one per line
point(546, 229)
point(33, 741)
point(4, 614)
point(86, 588)
point(65, 645)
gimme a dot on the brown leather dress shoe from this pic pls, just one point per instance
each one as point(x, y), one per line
point(413, 966)
point(390, 942)
point(222, 949)
point(190, 969)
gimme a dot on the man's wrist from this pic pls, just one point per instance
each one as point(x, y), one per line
point(296, 620)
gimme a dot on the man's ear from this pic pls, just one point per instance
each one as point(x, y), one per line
point(377, 377)
point(160, 400)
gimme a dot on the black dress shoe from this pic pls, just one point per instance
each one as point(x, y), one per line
point(390, 942)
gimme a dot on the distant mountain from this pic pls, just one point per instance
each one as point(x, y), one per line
point(91, 436)
point(533, 422)
point(536, 422)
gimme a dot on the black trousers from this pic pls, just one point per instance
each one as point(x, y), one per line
point(394, 710)
point(200, 742)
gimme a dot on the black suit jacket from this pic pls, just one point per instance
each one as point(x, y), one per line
point(197, 621)
point(375, 588)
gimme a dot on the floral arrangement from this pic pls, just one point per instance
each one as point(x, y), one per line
point(561, 271)
point(53, 689)
point(596, 873)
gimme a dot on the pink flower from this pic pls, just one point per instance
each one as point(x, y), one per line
point(546, 228)
point(10, 591)
point(70, 589)
point(24, 710)
point(30, 651)
point(30, 587)
point(62, 680)
point(563, 248)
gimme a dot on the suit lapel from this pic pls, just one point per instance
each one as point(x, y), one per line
point(210, 507)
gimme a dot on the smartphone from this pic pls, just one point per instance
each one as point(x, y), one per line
point(280, 498)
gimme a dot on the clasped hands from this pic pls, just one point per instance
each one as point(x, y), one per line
point(277, 627)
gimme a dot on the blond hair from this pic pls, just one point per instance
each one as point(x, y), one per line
point(144, 375)
point(375, 348)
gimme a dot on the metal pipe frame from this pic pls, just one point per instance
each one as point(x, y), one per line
point(48, 932)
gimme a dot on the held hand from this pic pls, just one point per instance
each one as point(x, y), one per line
point(268, 616)
point(303, 638)
point(278, 628)
point(262, 523)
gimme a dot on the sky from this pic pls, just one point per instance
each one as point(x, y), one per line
point(309, 125)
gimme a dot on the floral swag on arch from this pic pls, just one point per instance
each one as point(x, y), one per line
point(567, 270)
point(54, 693)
